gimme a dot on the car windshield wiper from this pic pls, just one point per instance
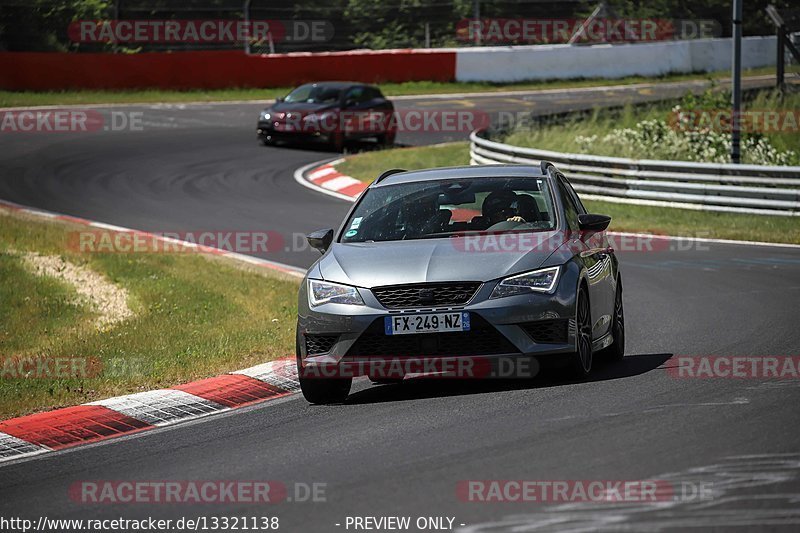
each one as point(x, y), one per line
point(470, 233)
point(448, 234)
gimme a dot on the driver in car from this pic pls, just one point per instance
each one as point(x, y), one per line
point(501, 206)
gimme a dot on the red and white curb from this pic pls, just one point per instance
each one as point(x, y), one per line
point(326, 179)
point(113, 417)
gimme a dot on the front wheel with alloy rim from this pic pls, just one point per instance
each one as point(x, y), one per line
point(581, 359)
point(616, 350)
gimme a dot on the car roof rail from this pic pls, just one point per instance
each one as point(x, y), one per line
point(545, 166)
point(388, 173)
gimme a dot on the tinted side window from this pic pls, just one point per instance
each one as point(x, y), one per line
point(575, 198)
point(570, 209)
point(373, 94)
point(357, 94)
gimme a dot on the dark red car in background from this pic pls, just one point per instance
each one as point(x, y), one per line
point(331, 112)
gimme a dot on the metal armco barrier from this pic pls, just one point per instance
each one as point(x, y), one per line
point(756, 189)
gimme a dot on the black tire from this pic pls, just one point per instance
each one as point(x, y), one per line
point(337, 142)
point(321, 390)
point(580, 363)
point(325, 390)
point(386, 140)
point(616, 350)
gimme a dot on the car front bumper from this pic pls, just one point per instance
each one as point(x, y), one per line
point(510, 318)
point(266, 131)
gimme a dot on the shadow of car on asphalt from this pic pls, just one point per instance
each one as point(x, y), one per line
point(430, 387)
point(351, 147)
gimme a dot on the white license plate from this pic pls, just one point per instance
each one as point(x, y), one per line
point(428, 323)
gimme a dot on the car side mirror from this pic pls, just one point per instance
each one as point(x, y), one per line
point(349, 102)
point(591, 224)
point(279, 99)
point(321, 239)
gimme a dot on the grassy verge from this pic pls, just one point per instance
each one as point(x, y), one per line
point(633, 218)
point(30, 98)
point(194, 317)
point(368, 165)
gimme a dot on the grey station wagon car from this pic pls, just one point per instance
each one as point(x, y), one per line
point(447, 265)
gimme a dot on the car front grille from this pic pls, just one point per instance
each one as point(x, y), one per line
point(320, 344)
point(548, 331)
point(481, 339)
point(426, 294)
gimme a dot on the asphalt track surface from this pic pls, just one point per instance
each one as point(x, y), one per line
point(401, 450)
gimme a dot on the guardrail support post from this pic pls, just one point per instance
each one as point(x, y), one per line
point(476, 15)
point(246, 10)
point(736, 97)
point(781, 63)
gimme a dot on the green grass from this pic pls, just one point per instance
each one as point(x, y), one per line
point(144, 96)
point(194, 317)
point(24, 295)
point(368, 165)
point(601, 122)
point(790, 102)
point(80, 97)
point(632, 218)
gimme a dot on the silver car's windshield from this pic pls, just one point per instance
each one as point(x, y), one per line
point(446, 208)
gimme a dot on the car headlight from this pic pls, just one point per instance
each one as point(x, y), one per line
point(265, 115)
point(324, 292)
point(543, 280)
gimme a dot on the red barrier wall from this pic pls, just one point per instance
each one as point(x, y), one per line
point(217, 70)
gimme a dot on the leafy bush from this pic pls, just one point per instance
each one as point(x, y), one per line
point(660, 140)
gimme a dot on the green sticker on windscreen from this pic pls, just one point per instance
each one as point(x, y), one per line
point(351, 233)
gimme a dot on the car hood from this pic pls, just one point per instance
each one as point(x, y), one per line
point(376, 264)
